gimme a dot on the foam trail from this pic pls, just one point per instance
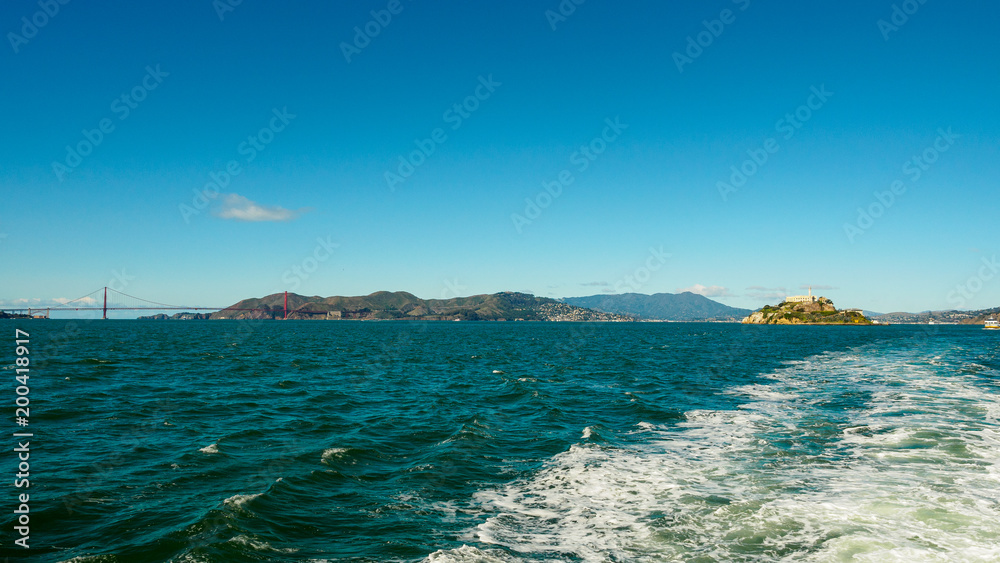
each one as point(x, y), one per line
point(910, 471)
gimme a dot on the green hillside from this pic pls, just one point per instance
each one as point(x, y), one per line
point(386, 305)
point(684, 306)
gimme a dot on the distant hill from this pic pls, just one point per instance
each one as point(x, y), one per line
point(385, 305)
point(177, 316)
point(685, 306)
point(961, 317)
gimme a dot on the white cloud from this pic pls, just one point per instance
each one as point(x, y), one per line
point(83, 301)
point(707, 291)
point(235, 206)
point(54, 302)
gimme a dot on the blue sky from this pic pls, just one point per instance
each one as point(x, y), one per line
point(310, 116)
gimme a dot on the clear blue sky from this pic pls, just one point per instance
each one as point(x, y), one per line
point(196, 86)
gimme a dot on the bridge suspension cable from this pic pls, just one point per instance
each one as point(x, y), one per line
point(109, 299)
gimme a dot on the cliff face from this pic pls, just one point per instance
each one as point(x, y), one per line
point(820, 312)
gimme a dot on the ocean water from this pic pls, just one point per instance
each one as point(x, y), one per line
point(506, 442)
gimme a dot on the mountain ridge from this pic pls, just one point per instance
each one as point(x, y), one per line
point(684, 306)
point(389, 305)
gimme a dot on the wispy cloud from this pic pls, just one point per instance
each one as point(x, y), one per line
point(761, 293)
point(762, 288)
point(707, 291)
point(596, 284)
point(767, 295)
point(235, 206)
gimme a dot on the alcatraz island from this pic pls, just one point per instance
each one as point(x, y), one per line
point(806, 310)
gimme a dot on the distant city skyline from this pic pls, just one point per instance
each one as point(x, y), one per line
point(203, 153)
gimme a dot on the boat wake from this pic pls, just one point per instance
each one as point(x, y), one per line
point(873, 455)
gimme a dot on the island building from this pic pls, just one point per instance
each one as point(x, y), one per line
point(802, 298)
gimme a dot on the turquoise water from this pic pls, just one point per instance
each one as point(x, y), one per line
point(395, 441)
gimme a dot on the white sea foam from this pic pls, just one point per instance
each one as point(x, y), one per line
point(911, 474)
point(259, 545)
point(210, 449)
point(467, 554)
point(331, 454)
point(239, 501)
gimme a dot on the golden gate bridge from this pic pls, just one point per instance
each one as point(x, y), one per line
point(98, 300)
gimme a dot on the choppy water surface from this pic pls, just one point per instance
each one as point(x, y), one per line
point(349, 441)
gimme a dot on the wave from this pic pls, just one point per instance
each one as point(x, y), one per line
point(332, 453)
point(239, 501)
point(872, 455)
